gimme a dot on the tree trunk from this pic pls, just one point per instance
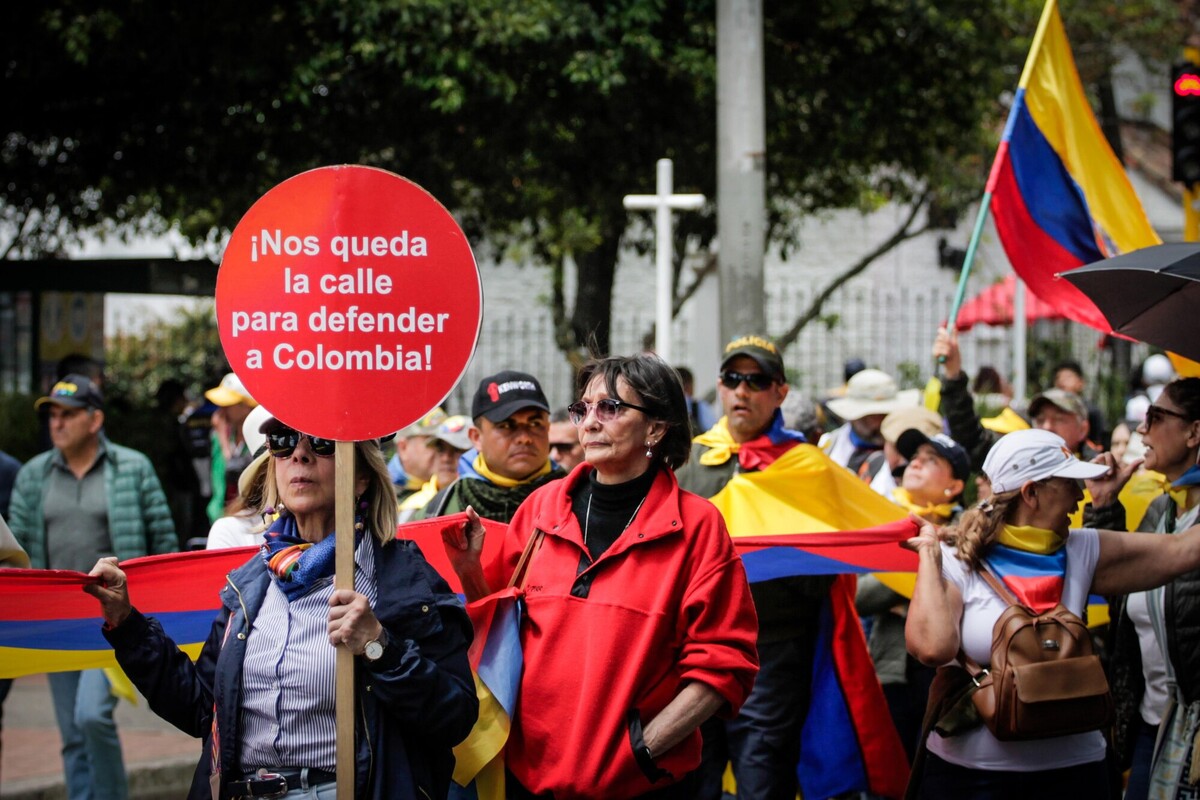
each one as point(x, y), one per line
point(591, 321)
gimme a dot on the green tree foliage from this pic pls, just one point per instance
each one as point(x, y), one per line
point(530, 119)
point(184, 347)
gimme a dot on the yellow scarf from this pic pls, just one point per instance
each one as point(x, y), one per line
point(902, 498)
point(507, 483)
point(1031, 539)
point(1180, 495)
point(421, 497)
point(720, 442)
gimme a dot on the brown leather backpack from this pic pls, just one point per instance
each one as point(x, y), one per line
point(1044, 679)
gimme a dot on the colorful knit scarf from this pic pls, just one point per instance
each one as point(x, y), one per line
point(296, 565)
point(756, 454)
point(1032, 563)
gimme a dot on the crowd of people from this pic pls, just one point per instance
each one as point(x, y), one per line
point(652, 667)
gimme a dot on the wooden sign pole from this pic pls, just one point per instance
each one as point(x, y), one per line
point(344, 579)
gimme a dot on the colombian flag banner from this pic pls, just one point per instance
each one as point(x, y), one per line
point(849, 743)
point(48, 623)
point(840, 553)
point(497, 662)
point(1060, 197)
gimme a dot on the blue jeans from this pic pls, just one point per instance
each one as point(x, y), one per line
point(83, 707)
point(1138, 787)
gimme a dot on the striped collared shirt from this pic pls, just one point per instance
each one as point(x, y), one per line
point(287, 715)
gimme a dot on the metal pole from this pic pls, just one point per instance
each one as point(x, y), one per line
point(1191, 214)
point(1020, 329)
point(741, 166)
point(663, 247)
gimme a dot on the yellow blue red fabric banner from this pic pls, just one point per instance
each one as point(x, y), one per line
point(849, 743)
point(1060, 197)
point(48, 623)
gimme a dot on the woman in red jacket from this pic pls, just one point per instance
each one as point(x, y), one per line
point(638, 619)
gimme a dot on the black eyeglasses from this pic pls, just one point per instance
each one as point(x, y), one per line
point(1158, 414)
point(606, 410)
point(757, 381)
point(284, 441)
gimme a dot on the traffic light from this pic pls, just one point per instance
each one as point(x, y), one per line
point(1185, 123)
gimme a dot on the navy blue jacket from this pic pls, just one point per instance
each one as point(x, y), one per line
point(413, 704)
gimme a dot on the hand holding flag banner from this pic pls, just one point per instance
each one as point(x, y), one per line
point(48, 624)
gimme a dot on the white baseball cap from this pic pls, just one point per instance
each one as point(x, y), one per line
point(1034, 455)
point(251, 433)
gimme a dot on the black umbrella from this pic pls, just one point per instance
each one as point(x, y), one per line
point(1152, 294)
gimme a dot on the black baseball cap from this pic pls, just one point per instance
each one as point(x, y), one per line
point(947, 448)
point(73, 391)
point(764, 352)
point(501, 395)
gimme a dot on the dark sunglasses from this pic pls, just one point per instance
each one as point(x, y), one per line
point(284, 441)
point(606, 410)
point(757, 381)
point(1158, 414)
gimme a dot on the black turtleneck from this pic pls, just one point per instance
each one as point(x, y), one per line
point(613, 506)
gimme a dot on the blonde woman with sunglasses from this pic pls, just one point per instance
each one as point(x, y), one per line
point(261, 694)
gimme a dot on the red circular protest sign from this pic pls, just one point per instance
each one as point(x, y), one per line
point(348, 302)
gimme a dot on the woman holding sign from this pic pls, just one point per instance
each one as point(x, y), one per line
point(261, 694)
point(625, 651)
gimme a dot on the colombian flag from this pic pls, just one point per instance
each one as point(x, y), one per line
point(48, 624)
point(1035, 579)
point(496, 657)
point(497, 662)
point(1060, 197)
point(848, 743)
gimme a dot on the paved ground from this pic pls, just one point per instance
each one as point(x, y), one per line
point(158, 758)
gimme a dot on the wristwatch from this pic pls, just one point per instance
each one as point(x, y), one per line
point(374, 649)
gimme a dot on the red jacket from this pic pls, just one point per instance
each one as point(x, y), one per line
point(668, 604)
